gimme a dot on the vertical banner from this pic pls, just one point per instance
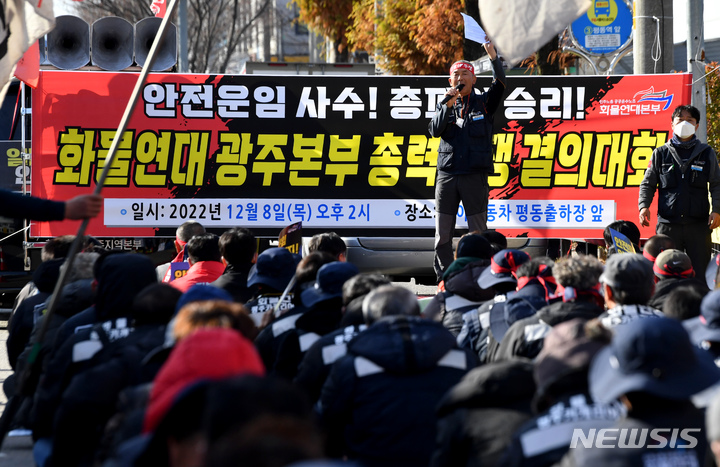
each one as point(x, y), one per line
point(345, 153)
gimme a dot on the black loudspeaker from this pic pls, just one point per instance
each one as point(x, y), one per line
point(42, 44)
point(68, 45)
point(145, 31)
point(112, 43)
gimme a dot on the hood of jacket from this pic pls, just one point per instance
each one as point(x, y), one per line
point(321, 318)
point(403, 344)
point(75, 297)
point(464, 282)
point(47, 274)
point(492, 385)
point(120, 278)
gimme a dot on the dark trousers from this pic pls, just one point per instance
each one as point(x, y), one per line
point(694, 239)
point(473, 191)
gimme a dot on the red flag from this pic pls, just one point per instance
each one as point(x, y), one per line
point(158, 8)
point(28, 68)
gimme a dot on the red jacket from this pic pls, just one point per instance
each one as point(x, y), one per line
point(199, 273)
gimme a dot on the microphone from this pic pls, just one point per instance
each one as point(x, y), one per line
point(445, 100)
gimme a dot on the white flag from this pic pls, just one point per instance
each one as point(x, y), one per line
point(22, 22)
point(520, 27)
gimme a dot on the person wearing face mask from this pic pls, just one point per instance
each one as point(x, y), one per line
point(685, 174)
point(464, 123)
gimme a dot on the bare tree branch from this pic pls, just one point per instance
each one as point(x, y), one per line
point(215, 27)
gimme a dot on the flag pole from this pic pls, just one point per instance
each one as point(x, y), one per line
point(24, 377)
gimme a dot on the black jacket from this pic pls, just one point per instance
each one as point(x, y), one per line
point(74, 297)
point(478, 416)
point(19, 206)
point(120, 278)
point(544, 440)
point(324, 317)
point(525, 338)
point(23, 318)
point(677, 416)
point(462, 294)
point(518, 305)
point(318, 360)
point(234, 281)
point(468, 149)
point(83, 414)
point(682, 186)
point(667, 285)
point(382, 394)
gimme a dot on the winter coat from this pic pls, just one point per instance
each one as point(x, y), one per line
point(623, 314)
point(478, 416)
point(682, 186)
point(382, 395)
point(202, 272)
point(462, 294)
point(467, 148)
point(525, 337)
point(234, 281)
point(319, 358)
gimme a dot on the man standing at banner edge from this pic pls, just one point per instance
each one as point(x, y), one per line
point(685, 174)
point(464, 123)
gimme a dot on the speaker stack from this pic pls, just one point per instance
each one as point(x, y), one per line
point(111, 44)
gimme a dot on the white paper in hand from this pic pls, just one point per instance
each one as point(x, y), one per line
point(473, 31)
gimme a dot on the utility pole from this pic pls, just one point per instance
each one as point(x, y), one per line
point(696, 61)
point(183, 20)
point(653, 42)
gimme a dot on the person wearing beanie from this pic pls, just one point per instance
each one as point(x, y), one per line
point(672, 269)
point(686, 176)
point(462, 292)
point(578, 287)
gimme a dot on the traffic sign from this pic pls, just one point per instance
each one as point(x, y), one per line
point(606, 27)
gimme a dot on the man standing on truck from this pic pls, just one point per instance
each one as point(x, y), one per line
point(464, 123)
point(684, 171)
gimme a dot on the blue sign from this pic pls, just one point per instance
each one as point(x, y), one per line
point(605, 28)
point(621, 243)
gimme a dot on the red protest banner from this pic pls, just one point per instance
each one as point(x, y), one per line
point(344, 153)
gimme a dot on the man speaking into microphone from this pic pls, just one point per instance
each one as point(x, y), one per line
point(464, 123)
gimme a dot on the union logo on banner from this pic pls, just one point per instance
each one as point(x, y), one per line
point(158, 8)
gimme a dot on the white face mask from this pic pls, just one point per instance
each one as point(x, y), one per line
point(684, 129)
